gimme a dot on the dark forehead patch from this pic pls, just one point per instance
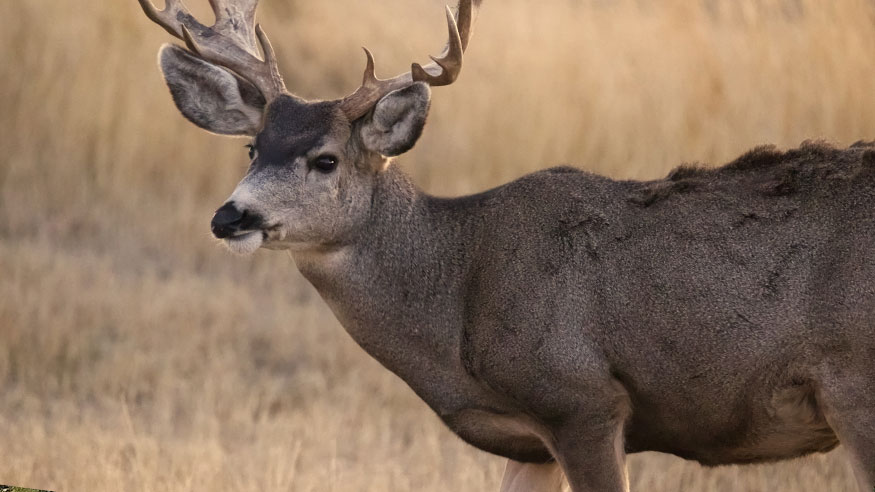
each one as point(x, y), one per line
point(292, 127)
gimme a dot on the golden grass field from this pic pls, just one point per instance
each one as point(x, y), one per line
point(137, 355)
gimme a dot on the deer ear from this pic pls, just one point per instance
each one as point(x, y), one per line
point(397, 120)
point(210, 96)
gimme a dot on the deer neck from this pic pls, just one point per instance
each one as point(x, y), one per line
point(397, 289)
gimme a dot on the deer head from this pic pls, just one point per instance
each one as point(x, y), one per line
point(313, 164)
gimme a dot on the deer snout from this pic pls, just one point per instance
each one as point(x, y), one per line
point(230, 221)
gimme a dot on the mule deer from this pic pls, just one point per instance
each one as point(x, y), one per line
point(722, 315)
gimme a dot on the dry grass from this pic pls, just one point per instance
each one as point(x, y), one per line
point(136, 355)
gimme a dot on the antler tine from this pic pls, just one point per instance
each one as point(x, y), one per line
point(169, 17)
point(269, 56)
point(449, 65)
point(370, 77)
point(228, 20)
point(443, 70)
point(231, 42)
point(465, 21)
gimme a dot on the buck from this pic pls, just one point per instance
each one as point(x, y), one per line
point(565, 319)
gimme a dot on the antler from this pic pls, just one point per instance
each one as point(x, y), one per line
point(231, 42)
point(444, 70)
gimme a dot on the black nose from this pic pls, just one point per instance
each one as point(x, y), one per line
point(230, 220)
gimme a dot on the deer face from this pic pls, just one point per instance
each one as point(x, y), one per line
point(312, 170)
point(314, 165)
point(312, 173)
point(304, 185)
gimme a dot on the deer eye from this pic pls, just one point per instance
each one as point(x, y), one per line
point(252, 151)
point(325, 163)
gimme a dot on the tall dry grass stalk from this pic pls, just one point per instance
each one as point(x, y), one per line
point(136, 355)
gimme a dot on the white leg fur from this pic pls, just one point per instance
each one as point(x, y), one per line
point(526, 477)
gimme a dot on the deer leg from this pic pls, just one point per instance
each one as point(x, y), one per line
point(856, 432)
point(594, 462)
point(849, 407)
point(529, 477)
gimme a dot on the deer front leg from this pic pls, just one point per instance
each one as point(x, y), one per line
point(847, 399)
point(593, 461)
point(529, 477)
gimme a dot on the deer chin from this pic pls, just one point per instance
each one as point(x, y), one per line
point(245, 244)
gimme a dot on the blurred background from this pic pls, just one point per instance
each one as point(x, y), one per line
point(137, 355)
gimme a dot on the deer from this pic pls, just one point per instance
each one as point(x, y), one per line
point(563, 320)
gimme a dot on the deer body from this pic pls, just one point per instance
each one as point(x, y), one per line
point(518, 308)
point(720, 315)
